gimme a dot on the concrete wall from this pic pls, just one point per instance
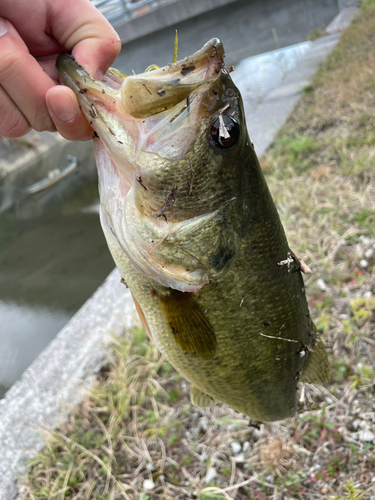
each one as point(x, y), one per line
point(167, 15)
point(58, 378)
point(246, 28)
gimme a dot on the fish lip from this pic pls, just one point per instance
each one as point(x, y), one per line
point(169, 85)
point(210, 57)
point(73, 75)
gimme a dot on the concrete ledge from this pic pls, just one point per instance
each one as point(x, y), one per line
point(58, 377)
point(16, 153)
point(343, 19)
point(29, 159)
point(266, 120)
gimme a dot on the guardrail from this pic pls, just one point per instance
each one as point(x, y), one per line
point(118, 11)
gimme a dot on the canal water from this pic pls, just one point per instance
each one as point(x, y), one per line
point(53, 256)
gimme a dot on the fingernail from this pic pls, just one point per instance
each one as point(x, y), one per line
point(98, 75)
point(3, 27)
point(62, 106)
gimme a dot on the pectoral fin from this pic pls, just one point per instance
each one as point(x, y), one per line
point(317, 370)
point(142, 318)
point(199, 398)
point(189, 326)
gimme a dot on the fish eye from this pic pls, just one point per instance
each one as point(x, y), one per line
point(225, 132)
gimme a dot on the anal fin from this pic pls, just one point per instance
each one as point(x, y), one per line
point(317, 370)
point(200, 399)
point(190, 328)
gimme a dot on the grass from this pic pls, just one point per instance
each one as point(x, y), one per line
point(136, 436)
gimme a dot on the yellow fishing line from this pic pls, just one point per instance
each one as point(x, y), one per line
point(154, 66)
point(175, 47)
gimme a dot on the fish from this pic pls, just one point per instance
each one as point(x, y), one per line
point(194, 231)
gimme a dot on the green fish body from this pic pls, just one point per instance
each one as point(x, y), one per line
point(194, 231)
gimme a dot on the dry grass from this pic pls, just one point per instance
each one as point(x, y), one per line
point(137, 437)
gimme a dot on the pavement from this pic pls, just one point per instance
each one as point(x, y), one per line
point(58, 377)
point(269, 116)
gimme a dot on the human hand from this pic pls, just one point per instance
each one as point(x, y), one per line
point(32, 34)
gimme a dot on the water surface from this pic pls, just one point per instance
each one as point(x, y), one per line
point(53, 256)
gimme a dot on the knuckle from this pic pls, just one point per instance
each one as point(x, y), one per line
point(44, 125)
point(41, 120)
point(15, 127)
point(9, 63)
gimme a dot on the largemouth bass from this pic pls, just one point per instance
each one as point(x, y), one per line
point(194, 231)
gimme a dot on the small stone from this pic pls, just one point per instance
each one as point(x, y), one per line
point(363, 263)
point(369, 253)
point(321, 285)
point(366, 436)
point(258, 433)
point(367, 294)
point(236, 447)
point(148, 484)
point(364, 239)
point(329, 400)
point(203, 424)
point(239, 458)
point(149, 466)
point(246, 446)
point(356, 423)
point(211, 474)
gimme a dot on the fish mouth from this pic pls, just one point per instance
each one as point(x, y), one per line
point(157, 111)
point(145, 126)
point(148, 93)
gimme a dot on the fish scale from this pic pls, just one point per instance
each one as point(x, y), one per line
point(194, 231)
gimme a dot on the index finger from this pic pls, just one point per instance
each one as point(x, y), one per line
point(78, 26)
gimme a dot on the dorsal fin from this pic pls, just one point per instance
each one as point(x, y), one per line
point(188, 325)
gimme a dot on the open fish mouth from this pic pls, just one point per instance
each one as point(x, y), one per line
point(152, 92)
point(145, 94)
point(146, 111)
point(152, 130)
